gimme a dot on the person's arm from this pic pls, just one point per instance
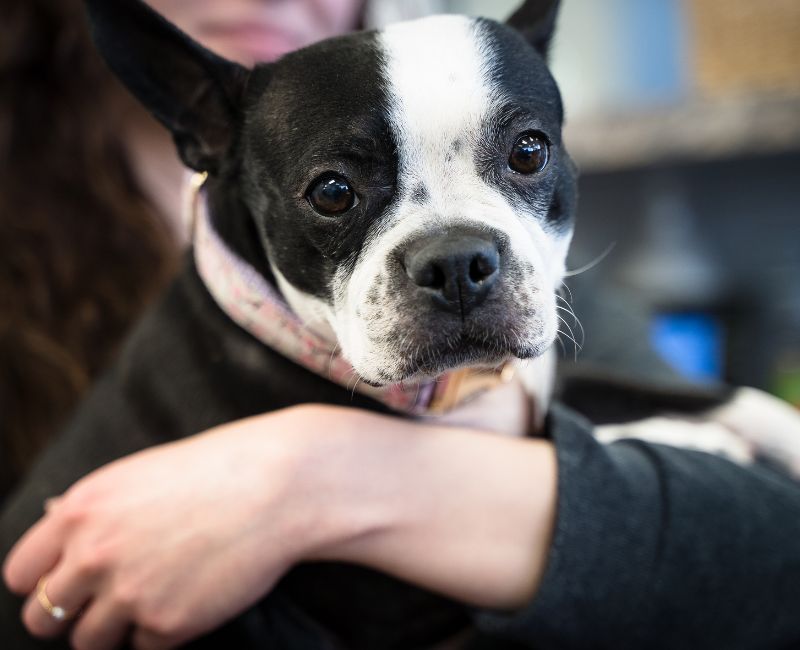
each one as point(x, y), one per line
point(464, 513)
point(658, 547)
point(220, 517)
point(653, 547)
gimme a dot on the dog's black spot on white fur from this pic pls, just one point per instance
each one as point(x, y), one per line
point(373, 295)
point(419, 194)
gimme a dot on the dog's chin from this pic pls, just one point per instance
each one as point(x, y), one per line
point(432, 362)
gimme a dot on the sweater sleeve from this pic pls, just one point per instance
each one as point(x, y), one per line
point(657, 547)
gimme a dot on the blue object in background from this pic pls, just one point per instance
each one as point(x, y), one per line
point(612, 56)
point(691, 342)
point(654, 64)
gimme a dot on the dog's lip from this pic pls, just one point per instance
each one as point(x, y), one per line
point(415, 370)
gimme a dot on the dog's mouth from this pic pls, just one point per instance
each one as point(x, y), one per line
point(434, 359)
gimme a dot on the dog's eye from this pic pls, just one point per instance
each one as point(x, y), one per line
point(331, 195)
point(529, 154)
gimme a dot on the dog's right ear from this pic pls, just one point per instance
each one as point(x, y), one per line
point(193, 92)
point(536, 20)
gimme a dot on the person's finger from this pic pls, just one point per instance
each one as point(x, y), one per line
point(147, 640)
point(34, 555)
point(51, 503)
point(55, 602)
point(103, 625)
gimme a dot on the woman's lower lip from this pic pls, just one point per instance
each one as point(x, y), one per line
point(251, 45)
point(248, 53)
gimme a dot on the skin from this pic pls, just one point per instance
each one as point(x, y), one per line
point(404, 499)
point(310, 486)
point(249, 31)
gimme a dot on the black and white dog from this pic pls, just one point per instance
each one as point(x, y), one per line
point(400, 202)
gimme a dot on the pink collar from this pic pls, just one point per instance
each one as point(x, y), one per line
point(256, 306)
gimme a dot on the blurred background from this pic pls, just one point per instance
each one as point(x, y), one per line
point(684, 118)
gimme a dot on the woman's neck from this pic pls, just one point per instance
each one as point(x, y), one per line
point(157, 167)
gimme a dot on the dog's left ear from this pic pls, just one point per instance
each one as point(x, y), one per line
point(536, 21)
point(190, 90)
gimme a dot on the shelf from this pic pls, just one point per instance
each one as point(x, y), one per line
point(694, 131)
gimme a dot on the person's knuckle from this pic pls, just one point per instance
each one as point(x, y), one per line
point(126, 594)
point(33, 623)
point(72, 515)
point(161, 621)
point(75, 510)
point(91, 560)
point(80, 639)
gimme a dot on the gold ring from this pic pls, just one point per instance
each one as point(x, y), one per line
point(58, 613)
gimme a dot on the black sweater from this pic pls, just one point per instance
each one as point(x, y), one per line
point(657, 547)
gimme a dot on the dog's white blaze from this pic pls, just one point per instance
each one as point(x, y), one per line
point(439, 97)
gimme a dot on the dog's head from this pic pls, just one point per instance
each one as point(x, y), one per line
point(409, 187)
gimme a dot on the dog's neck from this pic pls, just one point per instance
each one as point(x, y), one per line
point(248, 295)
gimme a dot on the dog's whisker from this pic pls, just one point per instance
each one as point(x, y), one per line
point(561, 343)
point(566, 309)
point(565, 286)
point(352, 375)
point(569, 329)
point(332, 357)
point(563, 299)
point(355, 386)
point(580, 328)
point(571, 310)
point(576, 345)
point(593, 263)
point(576, 322)
point(571, 337)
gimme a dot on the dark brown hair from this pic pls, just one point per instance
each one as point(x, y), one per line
point(82, 250)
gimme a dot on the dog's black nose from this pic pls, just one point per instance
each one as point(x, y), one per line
point(456, 270)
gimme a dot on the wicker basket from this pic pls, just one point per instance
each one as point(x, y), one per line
point(744, 46)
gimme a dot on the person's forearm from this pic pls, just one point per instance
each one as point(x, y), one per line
point(464, 513)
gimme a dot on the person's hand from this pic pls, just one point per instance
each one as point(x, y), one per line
point(770, 426)
point(172, 541)
point(167, 544)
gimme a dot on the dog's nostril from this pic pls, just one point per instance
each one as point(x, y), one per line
point(439, 278)
point(430, 276)
point(482, 267)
